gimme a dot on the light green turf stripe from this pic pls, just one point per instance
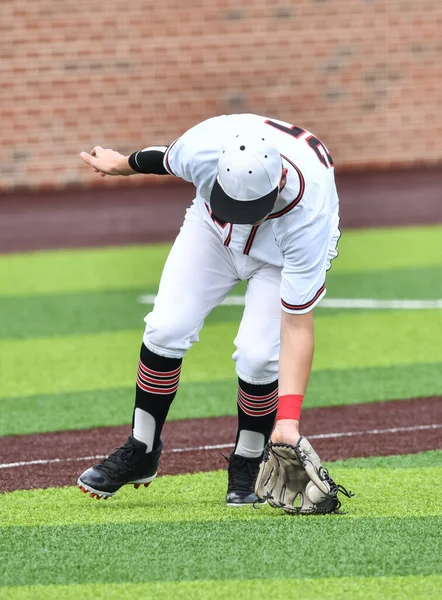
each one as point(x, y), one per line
point(381, 492)
point(430, 458)
point(81, 270)
point(198, 550)
point(104, 361)
point(380, 339)
point(392, 248)
point(97, 408)
point(138, 266)
point(330, 588)
point(97, 312)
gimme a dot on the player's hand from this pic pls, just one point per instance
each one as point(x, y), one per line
point(107, 162)
point(286, 431)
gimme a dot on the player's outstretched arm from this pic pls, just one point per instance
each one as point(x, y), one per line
point(295, 362)
point(107, 162)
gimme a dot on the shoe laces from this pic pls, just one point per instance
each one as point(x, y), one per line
point(242, 472)
point(126, 455)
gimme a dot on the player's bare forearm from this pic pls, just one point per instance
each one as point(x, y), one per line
point(296, 354)
point(295, 363)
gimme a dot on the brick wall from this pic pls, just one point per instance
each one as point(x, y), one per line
point(364, 75)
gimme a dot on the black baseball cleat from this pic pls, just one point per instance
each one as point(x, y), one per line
point(242, 473)
point(128, 464)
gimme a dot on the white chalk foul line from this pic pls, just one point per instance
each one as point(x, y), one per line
point(319, 436)
point(349, 303)
point(323, 436)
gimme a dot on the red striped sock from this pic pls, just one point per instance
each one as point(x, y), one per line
point(158, 379)
point(257, 408)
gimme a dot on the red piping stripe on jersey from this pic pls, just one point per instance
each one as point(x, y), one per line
point(298, 197)
point(166, 157)
point(214, 219)
point(250, 239)
point(304, 306)
point(282, 212)
point(229, 237)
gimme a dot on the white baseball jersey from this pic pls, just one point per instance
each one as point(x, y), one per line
point(301, 233)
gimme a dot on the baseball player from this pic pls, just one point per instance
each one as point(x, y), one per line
point(265, 212)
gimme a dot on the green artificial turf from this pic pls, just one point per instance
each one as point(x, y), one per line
point(181, 531)
point(69, 340)
point(138, 266)
point(96, 408)
point(330, 588)
point(64, 314)
point(407, 490)
point(389, 248)
point(67, 271)
point(108, 360)
point(406, 283)
point(117, 310)
point(173, 551)
point(430, 458)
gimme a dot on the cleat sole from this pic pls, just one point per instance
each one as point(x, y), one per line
point(98, 494)
point(239, 504)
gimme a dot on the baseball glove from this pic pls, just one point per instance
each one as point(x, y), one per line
point(293, 478)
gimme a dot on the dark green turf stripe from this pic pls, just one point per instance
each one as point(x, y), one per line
point(271, 548)
point(94, 312)
point(68, 314)
point(33, 414)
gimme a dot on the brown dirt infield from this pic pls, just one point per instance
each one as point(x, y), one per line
point(340, 432)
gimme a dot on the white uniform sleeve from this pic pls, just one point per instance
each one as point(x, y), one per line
point(194, 156)
point(177, 160)
point(306, 251)
point(191, 158)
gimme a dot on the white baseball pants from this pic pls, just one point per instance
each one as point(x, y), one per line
point(198, 274)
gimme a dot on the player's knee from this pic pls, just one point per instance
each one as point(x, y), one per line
point(170, 335)
point(256, 364)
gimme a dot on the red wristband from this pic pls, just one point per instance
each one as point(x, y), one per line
point(289, 407)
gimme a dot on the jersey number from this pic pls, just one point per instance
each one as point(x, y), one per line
point(315, 144)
